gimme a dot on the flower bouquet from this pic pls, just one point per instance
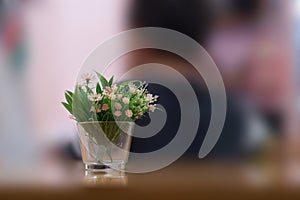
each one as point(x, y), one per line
point(105, 113)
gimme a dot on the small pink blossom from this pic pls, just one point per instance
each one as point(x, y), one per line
point(114, 87)
point(128, 113)
point(99, 108)
point(118, 113)
point(132, 88)
point(105, 107)
point(152, 108)
point(118, 106)
point(108, 89)
point(141, 113)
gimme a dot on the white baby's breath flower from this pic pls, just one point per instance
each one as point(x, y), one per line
point(128, 113)
point(125, 100)
point(132, 90)
point(138, 91)
point(149, 97)
point(152, 108)
point(119, 96)
point(118, 113)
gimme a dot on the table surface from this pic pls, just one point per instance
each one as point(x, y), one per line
point(182, 179)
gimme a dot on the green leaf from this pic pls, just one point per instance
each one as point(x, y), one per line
point(68, 98)
point(69, 93)
point(67, 106)
point(82, 105)
point(111, 80)
point(103, 80)
point(89, 90)
point(98, 89)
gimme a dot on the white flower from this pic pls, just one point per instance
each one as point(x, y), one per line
point(104, 93)
point(149, 97)
point(125, 100)
point(118, 113)
point(128, 113)
point(95, 97)
point(118, 106)
point(119, 96)
point(87, 77)
point(152, 108)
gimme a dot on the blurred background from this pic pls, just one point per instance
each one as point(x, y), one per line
point(255, 44)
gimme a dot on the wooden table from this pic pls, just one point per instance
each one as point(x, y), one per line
point(183, 180)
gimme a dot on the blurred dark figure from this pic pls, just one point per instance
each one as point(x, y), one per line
point(193, 18)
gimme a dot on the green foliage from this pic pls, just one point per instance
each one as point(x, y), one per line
point(67, 106)
point(126, 101)
point(98, 88)
point(107, 103)
point(103, 80)
point(111, 81)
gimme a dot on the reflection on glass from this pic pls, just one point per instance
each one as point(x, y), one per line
point(100, 179)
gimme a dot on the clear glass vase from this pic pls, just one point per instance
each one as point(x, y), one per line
point(105, 145)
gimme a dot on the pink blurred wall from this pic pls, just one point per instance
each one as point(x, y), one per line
point(61, 34)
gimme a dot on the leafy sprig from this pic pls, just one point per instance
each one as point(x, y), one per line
point(106, 101)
